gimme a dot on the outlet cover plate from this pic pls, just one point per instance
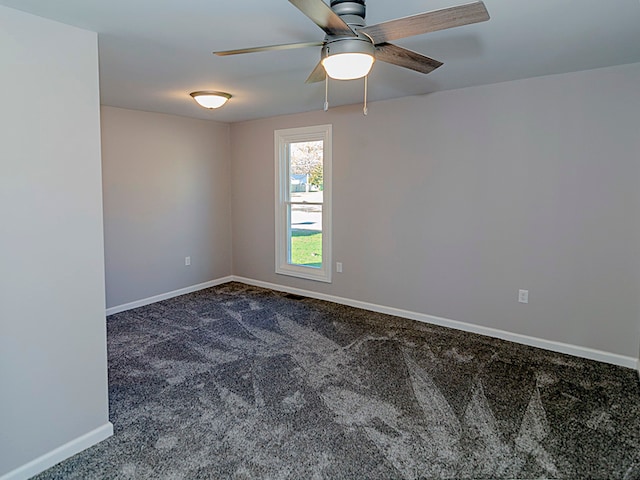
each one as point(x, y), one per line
point(523, 296)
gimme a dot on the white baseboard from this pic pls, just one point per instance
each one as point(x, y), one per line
point(61, 453)
point(575, 350)
point(165, 296)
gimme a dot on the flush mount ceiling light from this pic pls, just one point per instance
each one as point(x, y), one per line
point(348, 58)
point(209, 99)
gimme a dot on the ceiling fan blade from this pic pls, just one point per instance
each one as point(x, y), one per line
point(284, 46)
point(406, 58)
point(318, 74)
point(427, 22)
point(322, 15)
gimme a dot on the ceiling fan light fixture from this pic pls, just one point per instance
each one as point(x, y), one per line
point(348, 59)
point(348, 66)
point(210, 99)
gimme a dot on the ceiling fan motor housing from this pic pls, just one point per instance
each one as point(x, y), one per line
point(352, 12)
point(338, 2)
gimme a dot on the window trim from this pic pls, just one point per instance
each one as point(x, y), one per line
point(281, 140)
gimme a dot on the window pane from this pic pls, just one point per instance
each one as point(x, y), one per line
point(303, 202)
point(306, 235)
point(305, 171)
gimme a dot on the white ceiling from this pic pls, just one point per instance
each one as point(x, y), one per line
point(154, 52)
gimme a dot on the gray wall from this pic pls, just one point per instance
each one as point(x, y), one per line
point(53, 370)
point(447, 204)
point(166, 196)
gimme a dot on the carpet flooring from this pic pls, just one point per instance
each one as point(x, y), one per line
point(239, 382)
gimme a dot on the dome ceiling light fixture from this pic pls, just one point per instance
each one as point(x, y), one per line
point(210, 99)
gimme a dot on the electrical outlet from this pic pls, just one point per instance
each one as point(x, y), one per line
point(339, 267)
point(523, 296)
point(187, 261)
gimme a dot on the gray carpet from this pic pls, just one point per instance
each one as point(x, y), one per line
point(241, 382)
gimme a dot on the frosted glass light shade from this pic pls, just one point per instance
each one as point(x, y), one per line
point(211, 99)
point(348, 66)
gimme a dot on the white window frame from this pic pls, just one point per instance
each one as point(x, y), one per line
point(282, 139)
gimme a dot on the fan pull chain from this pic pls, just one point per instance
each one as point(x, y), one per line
point(326, 93)
point(366, 84)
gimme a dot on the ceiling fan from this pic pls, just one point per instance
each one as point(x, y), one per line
point(350, 46)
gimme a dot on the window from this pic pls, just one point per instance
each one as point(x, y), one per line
point(303, 202)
